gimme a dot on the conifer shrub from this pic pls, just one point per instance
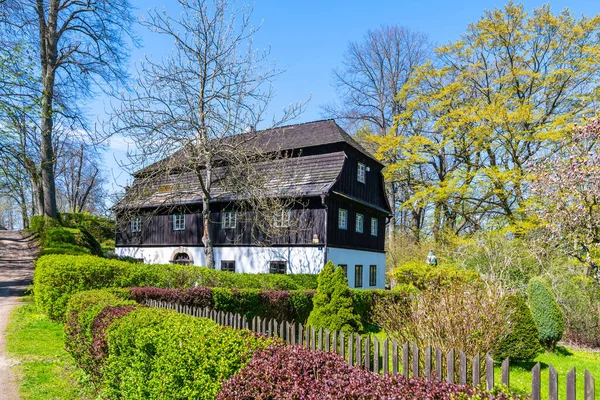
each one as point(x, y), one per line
point(522, 343)
point(333, 308)
point(161, 354)
point(546, 312)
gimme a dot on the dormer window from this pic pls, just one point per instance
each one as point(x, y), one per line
point(361, 174)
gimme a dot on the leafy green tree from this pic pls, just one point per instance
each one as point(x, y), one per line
point(333, 308)
point(546, 313)
point(522, 343)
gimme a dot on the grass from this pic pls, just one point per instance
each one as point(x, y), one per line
point(563, 360)
point(45, 369)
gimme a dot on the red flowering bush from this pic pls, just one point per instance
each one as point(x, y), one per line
point(293, 372)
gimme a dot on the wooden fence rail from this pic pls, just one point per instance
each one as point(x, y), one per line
point(387, 355)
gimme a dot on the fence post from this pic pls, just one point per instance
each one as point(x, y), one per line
point(358, 351)
point(506, 372)
point(462, 379)
point(450, 366)
point(367, 360)
point(386, 357)
point(590, 392)
point(405, 359)
point(394, 357)
point(350, 346)
point(571, 384)
point(552, 383)
point(428, 362)
point(476, 371)
point(438, 364)
point(489, 372)
point(536, 387)
point(415, 360)
point(375, 355)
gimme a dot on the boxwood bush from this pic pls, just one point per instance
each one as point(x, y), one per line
point(293, 372)
point(161, 354)
point(58, 277)
point(546, 313)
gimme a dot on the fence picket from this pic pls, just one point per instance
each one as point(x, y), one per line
point(428, 363)
point(438, 364)
point(552, 383)
point(476, 370)
point(313, 334)
point(450, 366)
point(415, 360)
point(367, 359)
point(536, 387)
point(505, 372)
point(386, 357)
point(405, 360)
point(462, 374)
point(300, 334)
point(350, 346)
point(357, 351)
point(320, 337)
point(589, 389)
point(326, 339)
point(394, 357)
point(334, 342)
point(571, 384)
point(489, 372)
point(307, 337)
point(342, 345)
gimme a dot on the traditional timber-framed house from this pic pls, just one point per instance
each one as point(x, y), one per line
point(341, 207)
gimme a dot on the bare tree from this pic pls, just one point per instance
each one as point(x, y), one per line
point(80, 44)
point(213, 86)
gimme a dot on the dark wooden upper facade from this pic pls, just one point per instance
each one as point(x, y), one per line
point(328, 175)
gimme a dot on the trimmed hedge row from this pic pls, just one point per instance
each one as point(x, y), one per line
point(294, 372)
point(278, 305)
point(137, 352)
point(58, 277)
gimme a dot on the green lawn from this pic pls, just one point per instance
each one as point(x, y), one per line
point(45, 369)
point(563, 360)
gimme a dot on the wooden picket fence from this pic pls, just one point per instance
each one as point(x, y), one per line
point(388, 356)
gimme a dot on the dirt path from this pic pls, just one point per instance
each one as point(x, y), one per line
point(16, 271)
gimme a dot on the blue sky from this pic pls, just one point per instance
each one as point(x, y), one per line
point(308, 39)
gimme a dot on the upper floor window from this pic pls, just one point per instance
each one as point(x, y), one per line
point(361, 174)
point(277, 267)
point(360, 223)
point(374, 226)
point(282, 219)
point(373, 275)
point(228, 220)
point(178, 222)
point(228, 266)
point(136, 224)
point(343, 219)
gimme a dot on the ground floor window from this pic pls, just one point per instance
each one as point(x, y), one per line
point(358, 273)
point(181, 258)
point(277, 267)
point(345, 268)
point(228, 266)
point(373, 275)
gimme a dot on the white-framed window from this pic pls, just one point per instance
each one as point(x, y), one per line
point(360, 223)
point(228, 220)
point(136, 224)
point(282, 220)
point(374, 226)
point(342, 219)
point(361, 174)
point(178, 222)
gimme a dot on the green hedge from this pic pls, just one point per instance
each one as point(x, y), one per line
point(160, 354)
point(546, 313)
point(58, 277)
point(420, 275)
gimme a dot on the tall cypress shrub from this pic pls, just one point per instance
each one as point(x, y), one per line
point(546, 313)
point(333, 308)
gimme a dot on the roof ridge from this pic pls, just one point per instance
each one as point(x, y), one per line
point(292, 125)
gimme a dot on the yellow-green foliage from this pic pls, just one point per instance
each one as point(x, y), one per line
point(419, 275)
point(546, 312)
point(522, 343)
point(332, 304)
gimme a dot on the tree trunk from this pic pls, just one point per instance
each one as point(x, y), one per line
point(206, 236)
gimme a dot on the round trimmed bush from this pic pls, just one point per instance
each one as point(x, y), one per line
point(546, 312)
point(522, 343)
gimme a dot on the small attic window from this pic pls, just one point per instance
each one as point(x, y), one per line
point(164, 189)
point(361, 174)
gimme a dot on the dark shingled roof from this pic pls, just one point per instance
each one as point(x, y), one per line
point(286, 177)
point(290, 137)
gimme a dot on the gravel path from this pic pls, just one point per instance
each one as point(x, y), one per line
point(16, 271)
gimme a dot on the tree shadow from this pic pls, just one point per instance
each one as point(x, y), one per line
point(528, 365)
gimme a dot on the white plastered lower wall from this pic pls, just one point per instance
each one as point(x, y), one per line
point(300, 260)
